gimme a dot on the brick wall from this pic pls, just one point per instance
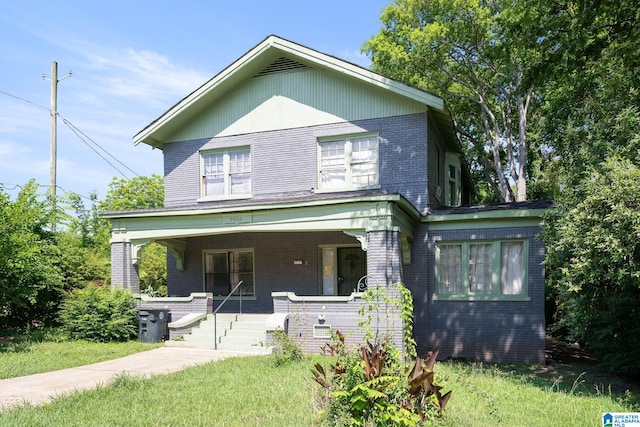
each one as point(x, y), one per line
point(384, 258)
point(124, 273)
point(403, 159)
point(178, 307)
point(307, 314)
point(273, 264)
point(483, 330)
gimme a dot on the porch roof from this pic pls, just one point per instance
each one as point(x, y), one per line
point(354, 214)
point(268, 202)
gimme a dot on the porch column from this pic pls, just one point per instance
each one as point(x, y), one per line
point(384, 258)
point(124, 273)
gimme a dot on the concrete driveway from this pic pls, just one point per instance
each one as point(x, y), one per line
point(42, 388)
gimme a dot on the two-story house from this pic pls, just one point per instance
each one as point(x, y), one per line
point(300, 174)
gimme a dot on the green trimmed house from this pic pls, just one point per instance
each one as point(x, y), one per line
point(308, 178)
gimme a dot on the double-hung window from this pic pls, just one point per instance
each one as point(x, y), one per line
point(223, 269)
point(226, 173)
point(482, 270)
point(348, 163)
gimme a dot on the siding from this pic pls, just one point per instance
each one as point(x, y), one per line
point(286, 160)
point(288, 100)
point(483, 330)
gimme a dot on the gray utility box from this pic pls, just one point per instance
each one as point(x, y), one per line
point(153, 324)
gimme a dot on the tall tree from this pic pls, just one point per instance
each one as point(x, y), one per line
point(142, 192)
point(466, 52)
point(30, 283)
point(590, 80)
point(591, 83)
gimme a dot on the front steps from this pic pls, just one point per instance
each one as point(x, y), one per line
point(235, 332)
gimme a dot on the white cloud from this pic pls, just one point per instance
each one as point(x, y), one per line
point(142, 75)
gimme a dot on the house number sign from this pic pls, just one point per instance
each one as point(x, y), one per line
point(237, 219)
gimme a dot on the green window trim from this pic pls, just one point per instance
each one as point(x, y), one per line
point(459, 278)
point(224, 268)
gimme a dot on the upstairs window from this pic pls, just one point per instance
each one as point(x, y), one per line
point(348, 163)
point(453, 193)
point(226, 173)
point(482, 270)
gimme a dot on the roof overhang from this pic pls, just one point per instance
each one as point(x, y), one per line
point(354, 216)
point(517, 214)
point(252, 62)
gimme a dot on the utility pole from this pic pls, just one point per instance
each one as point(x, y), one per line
point(54, 138)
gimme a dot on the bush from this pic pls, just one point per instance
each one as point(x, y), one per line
point(286, 350)
point(372, 387)
point(593, 265)
point(97, 313)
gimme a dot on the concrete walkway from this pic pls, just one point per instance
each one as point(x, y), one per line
point(42, 388)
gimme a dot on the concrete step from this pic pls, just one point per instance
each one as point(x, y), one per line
point(238, 336)
point(245, 332)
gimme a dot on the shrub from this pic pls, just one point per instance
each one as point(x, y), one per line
point(97, 313)
point(372, 387)
point(286, 350)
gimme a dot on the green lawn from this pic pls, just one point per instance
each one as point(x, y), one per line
point(25, 357)
point(250, 391)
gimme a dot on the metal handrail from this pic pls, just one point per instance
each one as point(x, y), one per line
point(215, 312)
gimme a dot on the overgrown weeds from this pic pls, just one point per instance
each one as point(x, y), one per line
point(286, 349)
point(372, 386)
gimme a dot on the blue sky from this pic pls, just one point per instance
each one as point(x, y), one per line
point(131, 61)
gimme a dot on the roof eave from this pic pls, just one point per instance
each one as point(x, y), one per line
point(152, 134)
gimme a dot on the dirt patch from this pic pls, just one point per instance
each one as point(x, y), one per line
point(560, 352)
point(570, 368)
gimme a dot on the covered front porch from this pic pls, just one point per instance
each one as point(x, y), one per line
point(302, 257)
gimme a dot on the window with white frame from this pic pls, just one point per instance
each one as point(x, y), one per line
point(226, 173)
point(481, 270)
point(453, 191)
point(223, 269)
point(349, 163)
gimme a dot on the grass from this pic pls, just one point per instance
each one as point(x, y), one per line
point(248, 391)
point(252, 391)
point(49, 351)
point(520, 395)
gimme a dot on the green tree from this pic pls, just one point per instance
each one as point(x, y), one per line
point(475, 55)
point(141, 193)
point(593, 262)
point(590, 79)
point(30, 283)
point(590, 93)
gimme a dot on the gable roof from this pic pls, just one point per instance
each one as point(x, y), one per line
point(272, 54)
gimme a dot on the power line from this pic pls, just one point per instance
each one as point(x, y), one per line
point(70, 124)
point(23, 100)
point(81, 135)
point(12, 187)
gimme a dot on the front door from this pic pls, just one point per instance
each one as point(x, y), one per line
point(352, 265)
